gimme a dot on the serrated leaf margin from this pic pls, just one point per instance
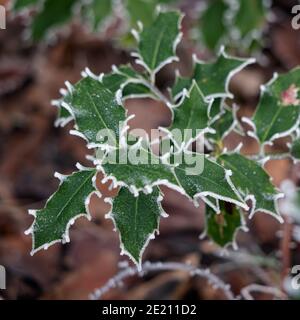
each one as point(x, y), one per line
point(151, 236)
point(251, 123)
point(252, 198)
point(138, 57)
point(227, 93)
point(186, 95)
point(148, 188)
point(65, 236)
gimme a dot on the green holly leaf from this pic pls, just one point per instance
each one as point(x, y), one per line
point(122, 78)
point(52, 14)
point(158, 42)
point(214, 181)
point(196, 177)
point(212, 24)
point(21, 4)
point(64, 115)
point(69, 202)
point(295, 149)
point(138, 175)
point(191, 114)
point(141, 10)
point(131, 83)
point(250, 17)
point(181, 86)
point(137, 220)
point(237, 24)
point(95, 108)
point(137, 90)
point(223, 124)
point(222, 227)
point(216, 108)
point(253, 183)
point(277, 114)
point(213, 78)
point(97, 12)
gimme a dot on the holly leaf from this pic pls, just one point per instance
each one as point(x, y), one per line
point(131, 83)
point(237, 24)
point(95, 108)
point(251, 16)
point(158, 42)
point(222, 227)
point(181, 85)
point(216, 108)
point(295, 149)
point(139, 174)
point(213, 181)
point(253, 183)
point(137, 220)
point(212, 24)
point(277, 114)
point(122, 78)
point(141, 10)
point(191, 114)
point(223, 125)
point(52, 14)
point(97, 12)
point(196, 177)
point(68, 203)
point(213, 78)
point(137, 90)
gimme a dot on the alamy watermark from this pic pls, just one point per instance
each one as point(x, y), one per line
point(295, 277)
point(296, 19)
point(136, 147)
point(2, 17)
point(2, 278)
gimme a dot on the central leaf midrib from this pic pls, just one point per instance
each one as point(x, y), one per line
point(98, 113)
point(155, 54)
point(271, 124)
point(135, 222)
point(74, 194)
point(192, 111)
point(213, 182)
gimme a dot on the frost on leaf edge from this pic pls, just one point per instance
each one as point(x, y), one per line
point(65, 237)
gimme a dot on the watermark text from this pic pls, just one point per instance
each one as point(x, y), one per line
point(2, 17)
point(2, 278)
point(296, 18)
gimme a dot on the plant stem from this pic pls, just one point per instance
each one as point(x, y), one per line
point(246, 291)
point(156, 92)
point(271, 156)
point(163, 266)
